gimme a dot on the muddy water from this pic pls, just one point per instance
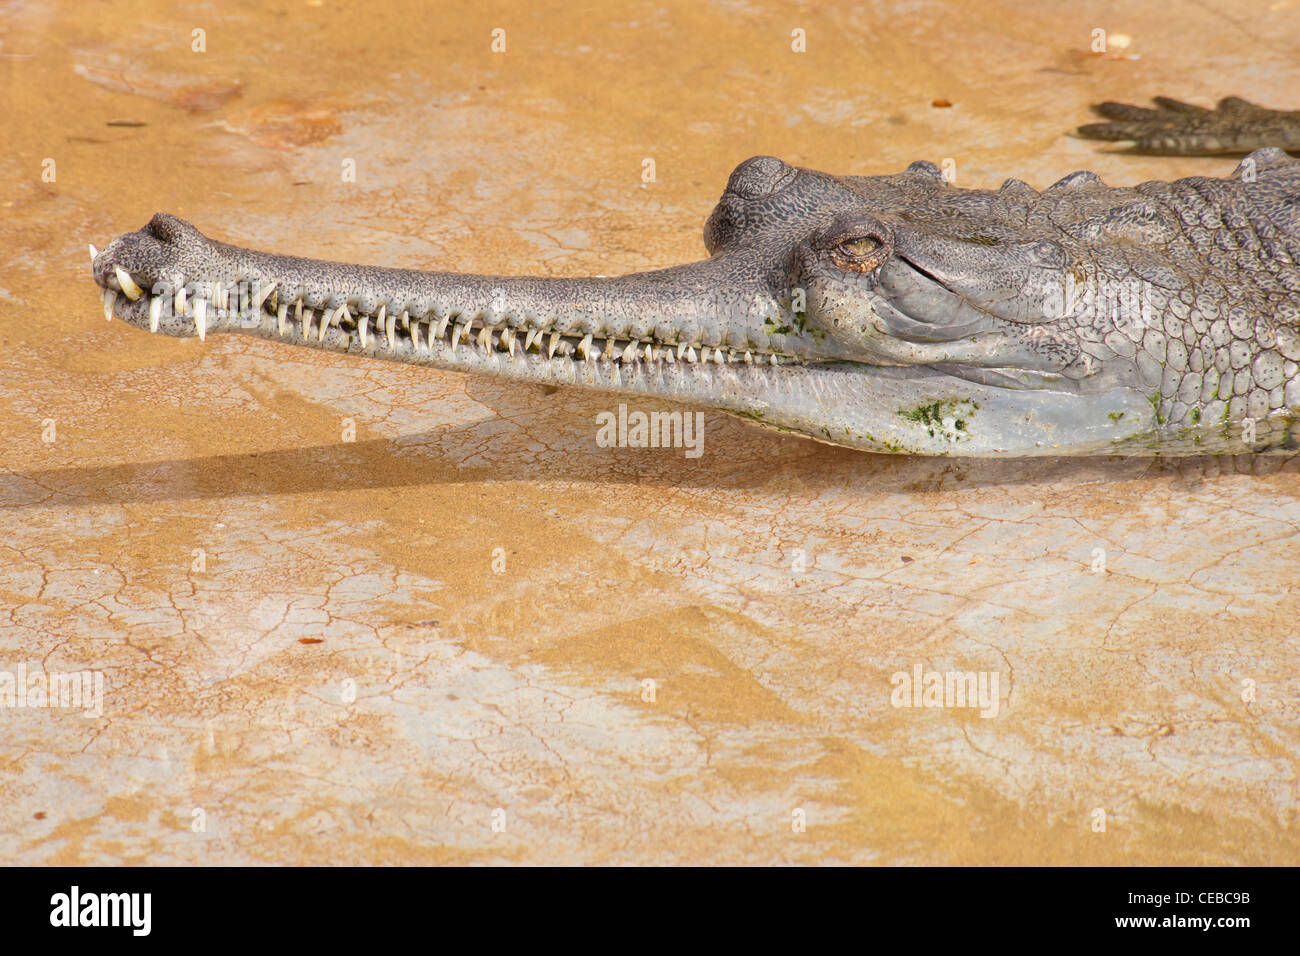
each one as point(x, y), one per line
point(355, 612)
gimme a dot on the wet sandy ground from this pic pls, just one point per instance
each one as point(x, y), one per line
point(432, 643)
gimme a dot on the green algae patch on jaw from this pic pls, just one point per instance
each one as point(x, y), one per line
point(1155, 400)
point(948, 419)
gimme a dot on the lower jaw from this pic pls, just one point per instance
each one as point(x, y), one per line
point(903, 410)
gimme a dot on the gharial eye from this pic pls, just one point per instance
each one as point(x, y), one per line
point(860, 253)
point(858, 248)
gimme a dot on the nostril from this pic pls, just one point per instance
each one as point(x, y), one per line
point(760, 176)
point(164, 227)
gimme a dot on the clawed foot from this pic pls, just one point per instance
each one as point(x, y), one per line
point(1174, 128)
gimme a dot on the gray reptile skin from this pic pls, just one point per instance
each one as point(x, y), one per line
point(887, 313)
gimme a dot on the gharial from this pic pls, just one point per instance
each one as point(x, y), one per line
point(888, 313)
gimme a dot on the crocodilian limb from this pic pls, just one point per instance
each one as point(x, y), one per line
point(1173, 128)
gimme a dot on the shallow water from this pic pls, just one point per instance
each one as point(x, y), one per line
point(361, 650)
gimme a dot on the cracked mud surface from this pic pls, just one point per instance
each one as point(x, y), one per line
point(359, 651)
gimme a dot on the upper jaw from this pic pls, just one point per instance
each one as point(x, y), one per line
point(170, 278)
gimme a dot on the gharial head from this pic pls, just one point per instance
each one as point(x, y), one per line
point(900, 270)
point(891, 313)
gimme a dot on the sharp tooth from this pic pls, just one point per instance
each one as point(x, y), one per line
point(584, 347)
point(260, 299)
point(456, 333)
point(201, 318)
point(749, 358)
point(307, 316)
point(406, 321)
point(335, 318)
point(179, 303)
point(128, 285)
point(681, 350)
point(326, 319)
point(629, 353)
point(282, 318)
point(719, 357)
point(363, 330)
point(607, 353)
point(528, 339)
point(392, 331)
point(93, 251)
point(109, 298)
point(485, 338)
point(380, 326)
point(553, 344)
point(690, 353)
point(508, 341)
point(442, 324)
point(669, 357)
point(415, 335)
point(775, 360)
point(155, 312)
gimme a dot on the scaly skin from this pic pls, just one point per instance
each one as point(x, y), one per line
point(1173, 128)
point(888, 313)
